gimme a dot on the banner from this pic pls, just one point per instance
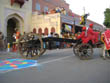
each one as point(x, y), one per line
point(106, 35)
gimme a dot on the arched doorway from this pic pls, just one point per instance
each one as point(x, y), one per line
point(34, 30)
point(13, 21)
point(40, 31)
point(46, 31)
point(53, 29)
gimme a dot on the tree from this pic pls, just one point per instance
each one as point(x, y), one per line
point(107, 18)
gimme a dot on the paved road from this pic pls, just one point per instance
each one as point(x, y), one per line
point(61, 66)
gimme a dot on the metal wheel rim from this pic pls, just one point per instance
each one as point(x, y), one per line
point(75, 49)
point(31, 51)
point(83, 51)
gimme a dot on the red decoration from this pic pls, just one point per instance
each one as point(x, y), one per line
point(106, 35)
point(12, 1)
point(20, 2)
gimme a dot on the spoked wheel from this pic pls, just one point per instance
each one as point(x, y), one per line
point(107, 54)
point(30, 46)
point(75, 49)
point(85, 51)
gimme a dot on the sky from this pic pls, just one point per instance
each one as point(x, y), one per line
point(95, 8)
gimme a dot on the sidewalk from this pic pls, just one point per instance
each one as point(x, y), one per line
point(9, 55)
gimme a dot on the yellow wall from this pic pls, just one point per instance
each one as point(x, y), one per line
point(25, 14)
point(49, 21)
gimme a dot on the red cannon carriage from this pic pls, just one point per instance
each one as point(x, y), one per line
point(87, 40)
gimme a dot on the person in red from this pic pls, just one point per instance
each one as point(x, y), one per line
point(92, 35)
point(83, 36)
point(17, 35)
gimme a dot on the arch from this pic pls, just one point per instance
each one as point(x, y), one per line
point(11, 22)
point(46, 31)
point(53, 29)
point(34, 30)
point(40, 31)
point(20, 20)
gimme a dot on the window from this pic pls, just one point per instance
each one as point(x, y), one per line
point(46, 31)
point(34, 30)
point(37, 6)
point(45, 9)
point(40, 31)
point(53, 29)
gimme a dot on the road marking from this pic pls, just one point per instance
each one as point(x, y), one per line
point(15, 64)
point(54, 60)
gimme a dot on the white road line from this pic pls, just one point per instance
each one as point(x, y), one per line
point(36, 64)
point(54, 60)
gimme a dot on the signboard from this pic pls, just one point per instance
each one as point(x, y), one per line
point(68, 21)
point(106, 35)
point(68, 28)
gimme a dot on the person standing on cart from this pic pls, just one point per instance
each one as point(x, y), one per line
point(93, 36)
point(83, 37)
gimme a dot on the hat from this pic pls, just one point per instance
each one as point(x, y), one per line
point(84, 28)
point(90, 25)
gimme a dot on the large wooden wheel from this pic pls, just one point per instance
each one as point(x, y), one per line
point(85, 51)
point(30, 46)
point(75, 49)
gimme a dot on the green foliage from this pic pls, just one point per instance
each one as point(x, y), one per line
point(107, 18)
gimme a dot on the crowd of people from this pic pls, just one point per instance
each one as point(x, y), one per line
point(56, 10)
point(3, 40)
point(52, 44)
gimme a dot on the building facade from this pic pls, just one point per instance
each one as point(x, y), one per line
point(71, 19)
point(15, 14)
point(37, 16)
point(51, 22)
